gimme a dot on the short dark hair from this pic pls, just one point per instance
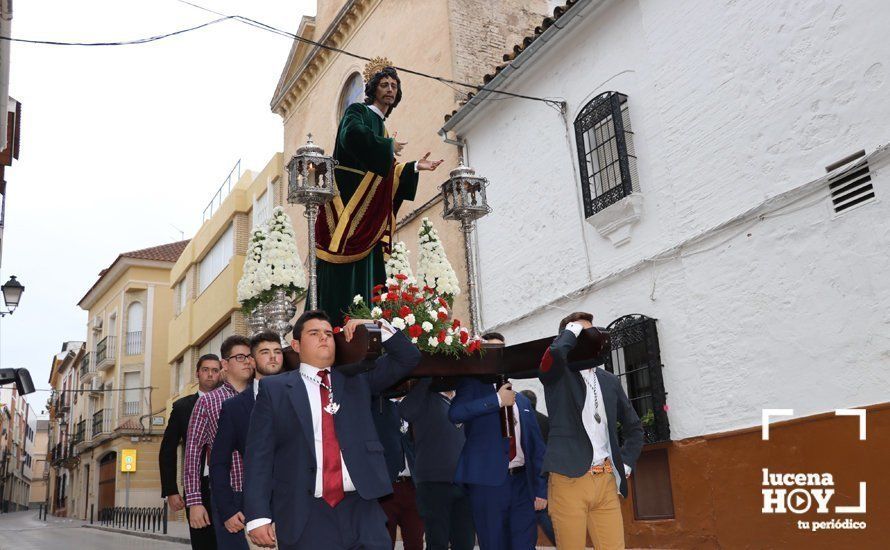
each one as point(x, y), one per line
point(577, 316)
point(531, 397)
point(264, 336)
point(494, 336)
point(371, 88)
point(206, 357)
point(308, 316)
point(231, 342)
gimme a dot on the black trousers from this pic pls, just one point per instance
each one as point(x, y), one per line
point(205, 538)
point(447, 517)
point(354, 524)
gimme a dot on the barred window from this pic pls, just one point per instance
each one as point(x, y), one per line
point(608, 162)
point(636, 360)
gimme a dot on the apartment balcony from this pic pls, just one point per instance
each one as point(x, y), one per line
point(103, 426)
point(87, 367)
point(132, 408)
point(105, 353)
point(134, 343)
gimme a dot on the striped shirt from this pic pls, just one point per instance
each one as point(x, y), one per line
point(202, 430)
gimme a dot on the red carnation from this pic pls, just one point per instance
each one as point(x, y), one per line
point(442, 302)
point(474, 345)
point(442, 316)
point(377, 288)
point(407, 296)
point(418, 300)
point(401, 276)
point(393, 287)
point(387, 315)
point(392, 296)
point(464, 336)
point(415, 331)
point(376, 299)
point(455, 324)
point(404, 311)
point(428, 289)
point(442, 336)
point(337, 330)
point(345, 319)
point(413, 289)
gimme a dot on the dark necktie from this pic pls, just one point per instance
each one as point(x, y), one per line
point(332, 470)
point(512, 443)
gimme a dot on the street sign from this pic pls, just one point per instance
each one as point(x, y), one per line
point(128, 460)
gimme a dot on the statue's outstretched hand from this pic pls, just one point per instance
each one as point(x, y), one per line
point(426, 164)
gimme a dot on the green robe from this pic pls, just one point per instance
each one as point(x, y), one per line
point(362, 146)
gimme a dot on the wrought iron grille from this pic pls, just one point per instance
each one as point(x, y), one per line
point(608, 162)
point(636, 360)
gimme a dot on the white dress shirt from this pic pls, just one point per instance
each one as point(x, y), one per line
point(313, 390)
point(597, 432)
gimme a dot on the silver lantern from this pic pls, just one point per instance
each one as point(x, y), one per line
point(464, 200)
point(311, 183)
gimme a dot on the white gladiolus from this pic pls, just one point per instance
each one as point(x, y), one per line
point(398, 263)
point(433, 268)
point(426, 326)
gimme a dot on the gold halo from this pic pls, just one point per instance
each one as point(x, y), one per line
point(374, 66)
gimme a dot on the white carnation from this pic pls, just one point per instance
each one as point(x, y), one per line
point(448, 340)
point(433, 341)
point(409, 319)
point(398, 323)
point(357, 299)
point(426, 326)
point(376, 313)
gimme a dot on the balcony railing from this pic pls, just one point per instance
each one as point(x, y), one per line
point(79, 432)
point(131, 408)
point(134, 343)
point(105, 352)
point(86, 368)
point(102, 423)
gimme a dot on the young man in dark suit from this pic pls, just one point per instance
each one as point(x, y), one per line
point(401, 506)
point(443, 504)
point(588, 469)
point(231, 435)
point(314, 464)
point(208, 373)
point(503, 475)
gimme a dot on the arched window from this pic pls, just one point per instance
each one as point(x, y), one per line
point(353, 92)
point(134, 328)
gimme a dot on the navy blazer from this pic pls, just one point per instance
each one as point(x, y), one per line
point(569, 451)
point(486, 454)
point(437, 441)
point(279, 473)
point(231, 435)
point(397, 446)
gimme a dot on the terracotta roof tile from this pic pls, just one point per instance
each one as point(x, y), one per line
point(163, 253)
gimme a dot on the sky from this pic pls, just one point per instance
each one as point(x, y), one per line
point(123, 147)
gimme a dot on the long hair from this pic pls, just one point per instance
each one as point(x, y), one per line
point(371, 88)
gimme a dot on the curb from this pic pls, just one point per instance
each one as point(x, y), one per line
point(154, 536)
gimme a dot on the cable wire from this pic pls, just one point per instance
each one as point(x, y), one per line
point(120, 43)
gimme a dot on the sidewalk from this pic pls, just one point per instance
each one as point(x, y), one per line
point(177, 532)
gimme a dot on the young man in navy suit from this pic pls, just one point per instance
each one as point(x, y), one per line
point(503, 475)
point(231, 435)
point(314, 464)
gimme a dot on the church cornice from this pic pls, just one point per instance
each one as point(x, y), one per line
point(338, 33)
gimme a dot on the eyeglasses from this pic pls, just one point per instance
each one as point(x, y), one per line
point(240, 358)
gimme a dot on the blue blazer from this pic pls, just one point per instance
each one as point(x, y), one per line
point(231, 435)
point(279, 473)
point(486, 454)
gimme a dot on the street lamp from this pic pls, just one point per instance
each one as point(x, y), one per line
point(464, 200)
point(12, 294)
point(311, 183)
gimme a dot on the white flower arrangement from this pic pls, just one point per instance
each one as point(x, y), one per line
point(433, 268)
point(398, 263)
point(273, 263)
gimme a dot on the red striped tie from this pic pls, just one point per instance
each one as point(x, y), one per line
point(332, 470)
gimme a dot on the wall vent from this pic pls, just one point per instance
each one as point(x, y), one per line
point(852, 185)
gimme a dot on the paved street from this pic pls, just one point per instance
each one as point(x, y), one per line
point(23, 531)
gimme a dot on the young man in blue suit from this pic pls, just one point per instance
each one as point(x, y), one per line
point(231, 435)
point(503, 475)
point(314, 467)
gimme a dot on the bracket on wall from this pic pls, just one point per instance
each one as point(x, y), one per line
point(616, 221)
